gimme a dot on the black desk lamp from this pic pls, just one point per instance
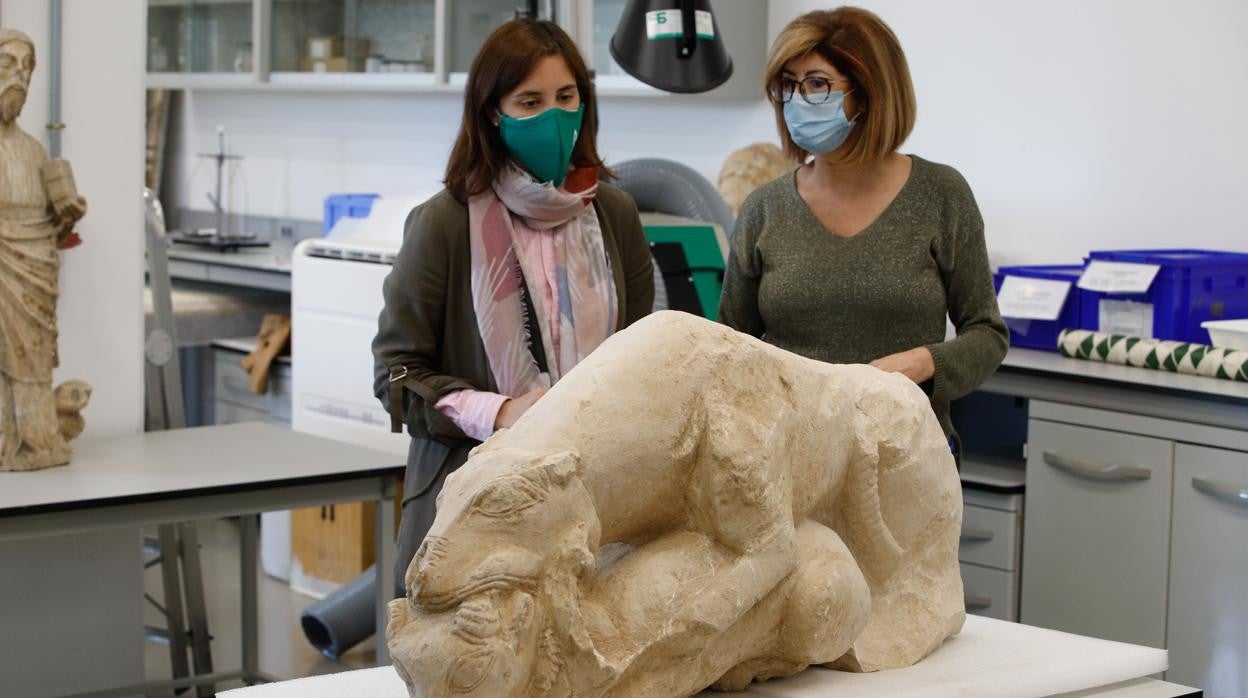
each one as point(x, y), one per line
point(674, 45)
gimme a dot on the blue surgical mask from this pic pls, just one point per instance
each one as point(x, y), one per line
point(818, 128)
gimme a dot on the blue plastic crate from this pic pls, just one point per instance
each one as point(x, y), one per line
point(343, 205)
point(1193, 286)
point(1042, 334)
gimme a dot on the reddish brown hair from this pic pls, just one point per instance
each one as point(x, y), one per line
point(508, 56)
point(863, 49)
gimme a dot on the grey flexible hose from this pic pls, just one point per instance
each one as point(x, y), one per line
point(666, 186)
point(344, 618)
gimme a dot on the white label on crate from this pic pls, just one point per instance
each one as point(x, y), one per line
point(668, 24)
point(1032, 299)
point(1126, 318)
point(1118, 277)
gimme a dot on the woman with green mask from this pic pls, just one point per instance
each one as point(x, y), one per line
point(514, 273)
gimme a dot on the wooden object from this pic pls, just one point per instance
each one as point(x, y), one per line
point(39, 206)
point(273, 339)
point(688, 507)
point(334, 543)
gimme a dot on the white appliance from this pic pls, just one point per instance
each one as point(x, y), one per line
point(335, 299)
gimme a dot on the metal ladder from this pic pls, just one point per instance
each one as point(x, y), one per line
point(186, 628)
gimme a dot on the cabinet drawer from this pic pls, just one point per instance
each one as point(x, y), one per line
point(229, 413)
point(989, 537)
point(1096, 539)
point(233, 384)
point(279, 393)
point(1208, 630)
point(334, 543)
point(990, 593)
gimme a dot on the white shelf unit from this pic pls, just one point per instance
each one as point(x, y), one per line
point(739, 20)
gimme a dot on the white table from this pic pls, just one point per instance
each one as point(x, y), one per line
point(1048, 376)
point(252, 267)
point(990, 658)
point(202, 473)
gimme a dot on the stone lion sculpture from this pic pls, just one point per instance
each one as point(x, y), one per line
point(689, 507)
point(749, 168)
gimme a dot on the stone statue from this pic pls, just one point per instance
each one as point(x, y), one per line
point(689, 507)
point(748, 169)
point(39, 206)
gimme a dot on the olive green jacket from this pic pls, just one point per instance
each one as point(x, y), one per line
point(427, 335)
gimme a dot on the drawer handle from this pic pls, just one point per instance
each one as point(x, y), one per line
point(977, 602)
point(1224, 491)
point(1096, 472)
point(976, 534)
point(235, 385)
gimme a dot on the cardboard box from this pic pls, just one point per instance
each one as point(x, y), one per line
point(322, 48)
point(332, 65)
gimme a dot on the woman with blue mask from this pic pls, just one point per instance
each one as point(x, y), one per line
point(514, 273)
point(860, 253)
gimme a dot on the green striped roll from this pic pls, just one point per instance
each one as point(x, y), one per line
point(1161, 355)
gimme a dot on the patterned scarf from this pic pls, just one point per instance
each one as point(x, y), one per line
point(501, 224)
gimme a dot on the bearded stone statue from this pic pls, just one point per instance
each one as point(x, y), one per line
point(39, 206)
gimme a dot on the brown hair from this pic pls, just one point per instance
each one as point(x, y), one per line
point(863, 49)
point(508, 56)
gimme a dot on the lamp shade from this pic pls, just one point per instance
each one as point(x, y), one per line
point(674, 45)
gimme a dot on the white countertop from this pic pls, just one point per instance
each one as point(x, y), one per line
point(990, 658)
point(1034, 360)
point(201, 459)
point(274, 258)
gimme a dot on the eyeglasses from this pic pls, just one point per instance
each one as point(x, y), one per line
point(814, 89)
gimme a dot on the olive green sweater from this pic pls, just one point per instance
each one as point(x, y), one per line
point(885, 290)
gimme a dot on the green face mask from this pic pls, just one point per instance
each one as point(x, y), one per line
point(543, 143)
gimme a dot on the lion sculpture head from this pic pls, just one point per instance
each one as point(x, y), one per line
point(493, 603)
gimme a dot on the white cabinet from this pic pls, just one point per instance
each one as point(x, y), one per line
point(989, 551)
point(1208, 617)
point(990, 592)
point(351, 37)
point(394, 45)
point(233, 399)
point(1096, 540)
point(200, 42)
point(470, 22)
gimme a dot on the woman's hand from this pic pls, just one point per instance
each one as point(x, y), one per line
point(916, 364)
point(514, 407)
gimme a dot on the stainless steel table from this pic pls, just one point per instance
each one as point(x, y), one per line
point(1048, 376)
point(252, 267)
point(202, 473)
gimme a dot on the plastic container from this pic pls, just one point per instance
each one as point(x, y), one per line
point(1042, 334)
point(1228, 334)
point(1192, 287)
point(343, 205)
point(702, 266)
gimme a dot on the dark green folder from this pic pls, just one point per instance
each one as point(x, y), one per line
point(704, 248)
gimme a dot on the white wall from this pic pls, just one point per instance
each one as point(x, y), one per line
point(100, 312)
point(71, 607)
point(299, 148)
point(1082, 125)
